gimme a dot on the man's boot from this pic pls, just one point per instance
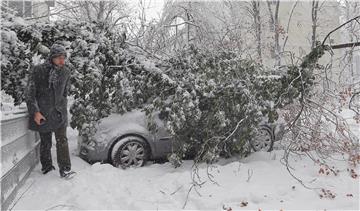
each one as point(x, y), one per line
point(66, 173)
point(47, 169)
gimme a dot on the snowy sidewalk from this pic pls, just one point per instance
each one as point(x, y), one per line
point(259, 182)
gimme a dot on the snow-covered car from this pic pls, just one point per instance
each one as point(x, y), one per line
point(124, 140)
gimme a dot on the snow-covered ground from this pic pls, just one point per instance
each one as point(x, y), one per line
point(259, 181)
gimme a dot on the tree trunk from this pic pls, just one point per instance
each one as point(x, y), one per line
point(277, 31)
point(274, 28)
point(314, 18)
point(100, 15)
point(257, 22)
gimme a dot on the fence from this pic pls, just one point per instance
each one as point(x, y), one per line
point(19, 153)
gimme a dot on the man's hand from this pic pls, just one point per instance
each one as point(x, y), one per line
point(38, 117)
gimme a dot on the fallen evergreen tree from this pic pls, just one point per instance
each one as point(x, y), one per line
point(212, 102)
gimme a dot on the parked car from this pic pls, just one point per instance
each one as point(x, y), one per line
point(124, 140)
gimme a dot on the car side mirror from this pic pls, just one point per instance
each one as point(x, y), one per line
point(163, 115)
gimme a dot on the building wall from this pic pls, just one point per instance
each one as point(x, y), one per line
point(218, 15)
point(30, 10)
point(300, 28)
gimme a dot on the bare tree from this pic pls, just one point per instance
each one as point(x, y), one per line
point(314, 19)
point(288, 24)
point(351, 9)
point(112, 12)
point(257, 22)
point(275, 29)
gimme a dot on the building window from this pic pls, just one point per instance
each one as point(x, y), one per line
point(21, 8)
point(50, 3)
point(28, 9)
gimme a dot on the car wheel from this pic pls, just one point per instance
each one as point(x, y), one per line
point(263, 139)
point(130, 151)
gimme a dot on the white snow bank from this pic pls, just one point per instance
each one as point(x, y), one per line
point(260, 180)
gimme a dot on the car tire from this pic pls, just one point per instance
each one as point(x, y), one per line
point(130, 151)
point(263, 139)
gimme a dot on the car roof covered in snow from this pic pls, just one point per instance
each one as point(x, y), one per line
point(116, 125)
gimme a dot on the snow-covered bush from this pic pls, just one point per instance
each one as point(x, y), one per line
point(92, 49)
point(15, 57)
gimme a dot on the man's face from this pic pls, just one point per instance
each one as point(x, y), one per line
point(59, 61)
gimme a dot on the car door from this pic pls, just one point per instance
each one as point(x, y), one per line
point(163, 140)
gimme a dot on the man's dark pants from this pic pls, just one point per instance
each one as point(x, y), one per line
point(62, 149)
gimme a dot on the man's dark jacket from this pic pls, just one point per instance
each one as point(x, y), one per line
point(51, 100)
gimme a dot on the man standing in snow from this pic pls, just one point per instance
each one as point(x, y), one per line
point(46, 99)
